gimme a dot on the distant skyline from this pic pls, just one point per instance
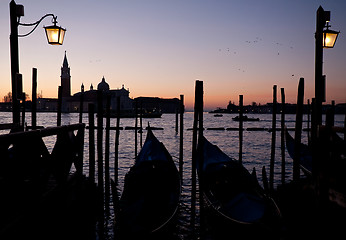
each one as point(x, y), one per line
point(159, 48)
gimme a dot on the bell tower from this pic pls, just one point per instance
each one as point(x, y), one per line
point(65, 78)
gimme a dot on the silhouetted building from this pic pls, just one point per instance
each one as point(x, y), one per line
point(47, 104)
point(232, 108)
point(163, 105)
point(65, 78)
point(72, 104)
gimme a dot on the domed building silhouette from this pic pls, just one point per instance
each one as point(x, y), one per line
point(72, 103)
point(90, 96)
point(103, 86)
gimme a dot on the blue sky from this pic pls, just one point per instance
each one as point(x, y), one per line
point(160, 47)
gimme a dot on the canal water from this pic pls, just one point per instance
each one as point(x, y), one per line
point(256, 148)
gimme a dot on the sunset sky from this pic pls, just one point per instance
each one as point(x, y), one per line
point(159, 48)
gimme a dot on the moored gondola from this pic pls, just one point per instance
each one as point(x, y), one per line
point(305, 155)
point(330, 163)
point(233, 196)
point(151, 194)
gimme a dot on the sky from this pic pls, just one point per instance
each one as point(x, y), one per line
point(159, 48)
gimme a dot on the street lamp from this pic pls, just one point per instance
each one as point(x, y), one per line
point(329, 37)
point(55, 36)
point(325, 38)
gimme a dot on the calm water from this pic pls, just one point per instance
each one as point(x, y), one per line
point(256, 147)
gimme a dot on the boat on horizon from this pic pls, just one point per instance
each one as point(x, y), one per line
point(133, 115)
point(245, 118)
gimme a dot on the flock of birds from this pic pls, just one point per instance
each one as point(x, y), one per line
point(257, 40)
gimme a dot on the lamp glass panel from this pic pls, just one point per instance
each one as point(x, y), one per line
point(52, 35)
point(329, 39)
point(62, 35)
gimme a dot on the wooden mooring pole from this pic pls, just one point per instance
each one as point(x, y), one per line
point(298, 130)
point(107, 139)
point(313, 119)
point(181, 142)
point(141, 126)
point(81, 104)
point(176, 120)
point(201, 160)
point(59, 106)
point(99, 142)
point(283, 148)
point(315, 163)
point(198, 99)
point(34, 99)
point(308, 123)
point(91, 108)
point(345, 128)
point(272, 155)
point(23, 110)
point(116, 145)
point(100, 161)
point(241, 129)
point(136, 123)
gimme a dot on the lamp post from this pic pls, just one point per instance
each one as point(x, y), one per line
point(55, 36)
point(325, 38)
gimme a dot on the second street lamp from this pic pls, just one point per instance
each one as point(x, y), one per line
point(325, 38)
point(329, 37)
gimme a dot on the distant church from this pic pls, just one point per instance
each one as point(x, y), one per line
point(72, 103)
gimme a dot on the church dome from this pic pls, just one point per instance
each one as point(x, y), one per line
point(103, 85)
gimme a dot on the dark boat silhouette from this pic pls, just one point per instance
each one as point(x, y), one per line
point(232, 195)
point(245, 118)
point(151, 194)
point(305, 159)
point(333, 164)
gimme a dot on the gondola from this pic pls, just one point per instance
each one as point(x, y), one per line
point(333, 160)
point(231, 194)
point(305, 155)
point(151, 194)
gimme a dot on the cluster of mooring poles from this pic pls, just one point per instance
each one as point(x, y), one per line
point(105, 184)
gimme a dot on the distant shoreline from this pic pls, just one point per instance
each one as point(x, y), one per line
point(187, 111)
